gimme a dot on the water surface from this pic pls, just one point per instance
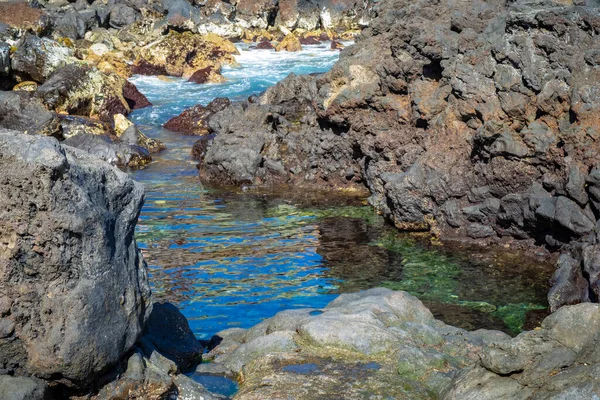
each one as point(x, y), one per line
point(230, 257)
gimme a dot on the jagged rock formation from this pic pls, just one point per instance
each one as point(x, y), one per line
point(470, 120)
point(385, 344)
point(74, 289)
point(549, 363)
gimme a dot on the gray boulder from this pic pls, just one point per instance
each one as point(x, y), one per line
point(74, 286)
point(558, 361)
point(112, 151)
point(22, 388)
point(168, 331)
point(23, 112)
point(37, 58)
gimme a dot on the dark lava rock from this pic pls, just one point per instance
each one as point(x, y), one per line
point(22, 388)
point(82, 296)
point(109, 150)
point(466, 121)
point(38, 58)
point(194, 120)
point(123, 15)
point(135, 99)
point(23, 112)
point(169, 332)
point(199, 148)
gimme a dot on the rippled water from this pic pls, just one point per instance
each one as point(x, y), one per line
point(231, 257)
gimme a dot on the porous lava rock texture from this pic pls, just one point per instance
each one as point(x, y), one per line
point(472, 120)
point(74, 293)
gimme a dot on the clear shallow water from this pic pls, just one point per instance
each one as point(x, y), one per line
point(230, 258)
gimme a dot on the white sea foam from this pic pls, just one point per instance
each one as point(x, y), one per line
point(257, 70)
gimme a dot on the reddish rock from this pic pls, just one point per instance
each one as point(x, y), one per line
point(203, 75)
point(143, 67)
point(21, 15)
point(134, 97)
point(309, 40)
point(194, 120)
point(265, 45)
point(335, 45)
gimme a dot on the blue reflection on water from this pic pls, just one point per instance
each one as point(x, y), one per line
point(226, 263)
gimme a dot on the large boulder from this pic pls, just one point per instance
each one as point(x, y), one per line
point(549, 363)
point(376, 341)
point(182, 54)
point(75, 293)
point(23, 112)
point(80, 90)
point(37, 58)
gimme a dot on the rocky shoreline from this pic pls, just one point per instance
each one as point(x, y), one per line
point(473, 121)
point(470, 121)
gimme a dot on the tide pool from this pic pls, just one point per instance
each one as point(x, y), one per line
point(231, 258)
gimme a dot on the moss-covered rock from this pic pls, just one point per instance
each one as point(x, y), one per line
point(182, 54)
point(84, 91)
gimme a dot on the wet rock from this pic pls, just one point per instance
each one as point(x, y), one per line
point(135, 99)
point(289, 43)
point(206, 75)
point(168, 330)
point(182, 54)
point(38, 58)
point(194, 120)
point(22, 388)
point(547, 363)
point(74, 222)
point(23, 112)
point(265, 45)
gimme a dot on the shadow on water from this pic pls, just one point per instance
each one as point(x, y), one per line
point(231, 258)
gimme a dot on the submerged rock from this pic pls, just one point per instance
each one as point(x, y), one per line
point(82, 297)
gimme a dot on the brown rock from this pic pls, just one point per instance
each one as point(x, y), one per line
point(289, 43)
point(209, 74)
point(134, 97)
point(194, 120)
